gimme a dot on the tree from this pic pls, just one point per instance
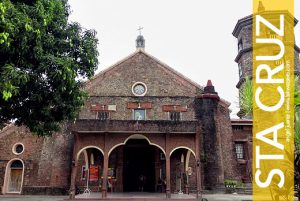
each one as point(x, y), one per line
point(246, 105)
point(246, 101)
point(42, 55)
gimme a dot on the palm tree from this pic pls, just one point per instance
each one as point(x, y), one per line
point(297, 134)
point(246, 111)
point(246, 101)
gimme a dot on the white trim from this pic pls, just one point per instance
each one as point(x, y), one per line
point(14, 148)
point(7, 177)
point(139, 83)
point(183, 147)
point(136, 136)
point(84, 148)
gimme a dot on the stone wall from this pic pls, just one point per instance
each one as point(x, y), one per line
point(46, 160)
point(227, 149)
point(141, 67)
point(123, 113)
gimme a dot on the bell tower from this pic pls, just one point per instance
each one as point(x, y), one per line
point(243, 33)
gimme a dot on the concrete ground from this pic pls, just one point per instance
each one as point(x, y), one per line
point(209, 197)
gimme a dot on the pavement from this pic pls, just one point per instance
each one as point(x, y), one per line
point(209, 197)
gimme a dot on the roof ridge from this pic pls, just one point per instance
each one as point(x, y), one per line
point(173, 70)
point(86, 84)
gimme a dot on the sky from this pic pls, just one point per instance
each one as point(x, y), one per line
point(192, 36)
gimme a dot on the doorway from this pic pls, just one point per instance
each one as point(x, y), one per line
point(14, 177)
point(139, 166)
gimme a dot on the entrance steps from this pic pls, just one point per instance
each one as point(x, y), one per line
point(135, 197)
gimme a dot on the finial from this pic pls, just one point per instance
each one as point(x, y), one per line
point(209, 83)
point(261, 7)
point(140, 41)
point(140, 30)
point(209, 88)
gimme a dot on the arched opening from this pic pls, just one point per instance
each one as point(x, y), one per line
point(183, 165)
point(14, 177)
point(89, 169)
point(136, 166)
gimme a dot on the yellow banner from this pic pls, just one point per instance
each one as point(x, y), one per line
point(273, 100)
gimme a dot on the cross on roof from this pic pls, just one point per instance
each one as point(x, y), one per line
point(140, 29)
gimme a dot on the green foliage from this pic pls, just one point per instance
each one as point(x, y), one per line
point(42, 56)
point(246, 98)
point(230, 183)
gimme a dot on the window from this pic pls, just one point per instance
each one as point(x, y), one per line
point(18, 148)
point(240, 45)
point(175, 116)
point(139, 89)
point(240, 70)
point(239, 149)
point(103, 115)
point(139, 114)
point(238, 127)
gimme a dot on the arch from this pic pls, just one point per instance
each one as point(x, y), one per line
point(87, 147)
point(183, 147)
point(136, 136)
point(8, 175)
point(86, 158)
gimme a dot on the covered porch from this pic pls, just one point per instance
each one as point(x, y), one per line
point(175, 144)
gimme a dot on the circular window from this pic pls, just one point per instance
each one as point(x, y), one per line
point(139, 89)
point(18, 149)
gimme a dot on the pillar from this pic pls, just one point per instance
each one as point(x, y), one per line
point(168, 167)
point(105, 168)
point(73, 180)
point(198, 163)
point(206, 108)
point(168, 177)
point(74, 170)
point(105, 172)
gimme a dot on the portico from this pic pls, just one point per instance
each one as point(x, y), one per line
point(122, 144)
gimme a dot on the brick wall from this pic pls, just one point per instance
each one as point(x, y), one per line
point(46, 160)
point(123, 113)
point(227, 149)
point(140, 67)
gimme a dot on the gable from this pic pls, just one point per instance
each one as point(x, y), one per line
point(160, 79)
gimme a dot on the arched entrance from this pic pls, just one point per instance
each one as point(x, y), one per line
point(137, 165)
point(14, 177)
point(90, 169)
point(183, 167)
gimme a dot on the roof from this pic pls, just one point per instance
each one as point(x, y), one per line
point(241, 121)
point(245, 21)
point(88, 83)
point(170, 69)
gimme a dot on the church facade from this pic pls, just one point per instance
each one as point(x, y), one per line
point(144, 128)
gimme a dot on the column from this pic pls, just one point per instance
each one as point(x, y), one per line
point(105, 171)
point(74, 170)
point(168, 177)
point(168, 167)
point(73, 180)
point(105, 168)
point(198, 163)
